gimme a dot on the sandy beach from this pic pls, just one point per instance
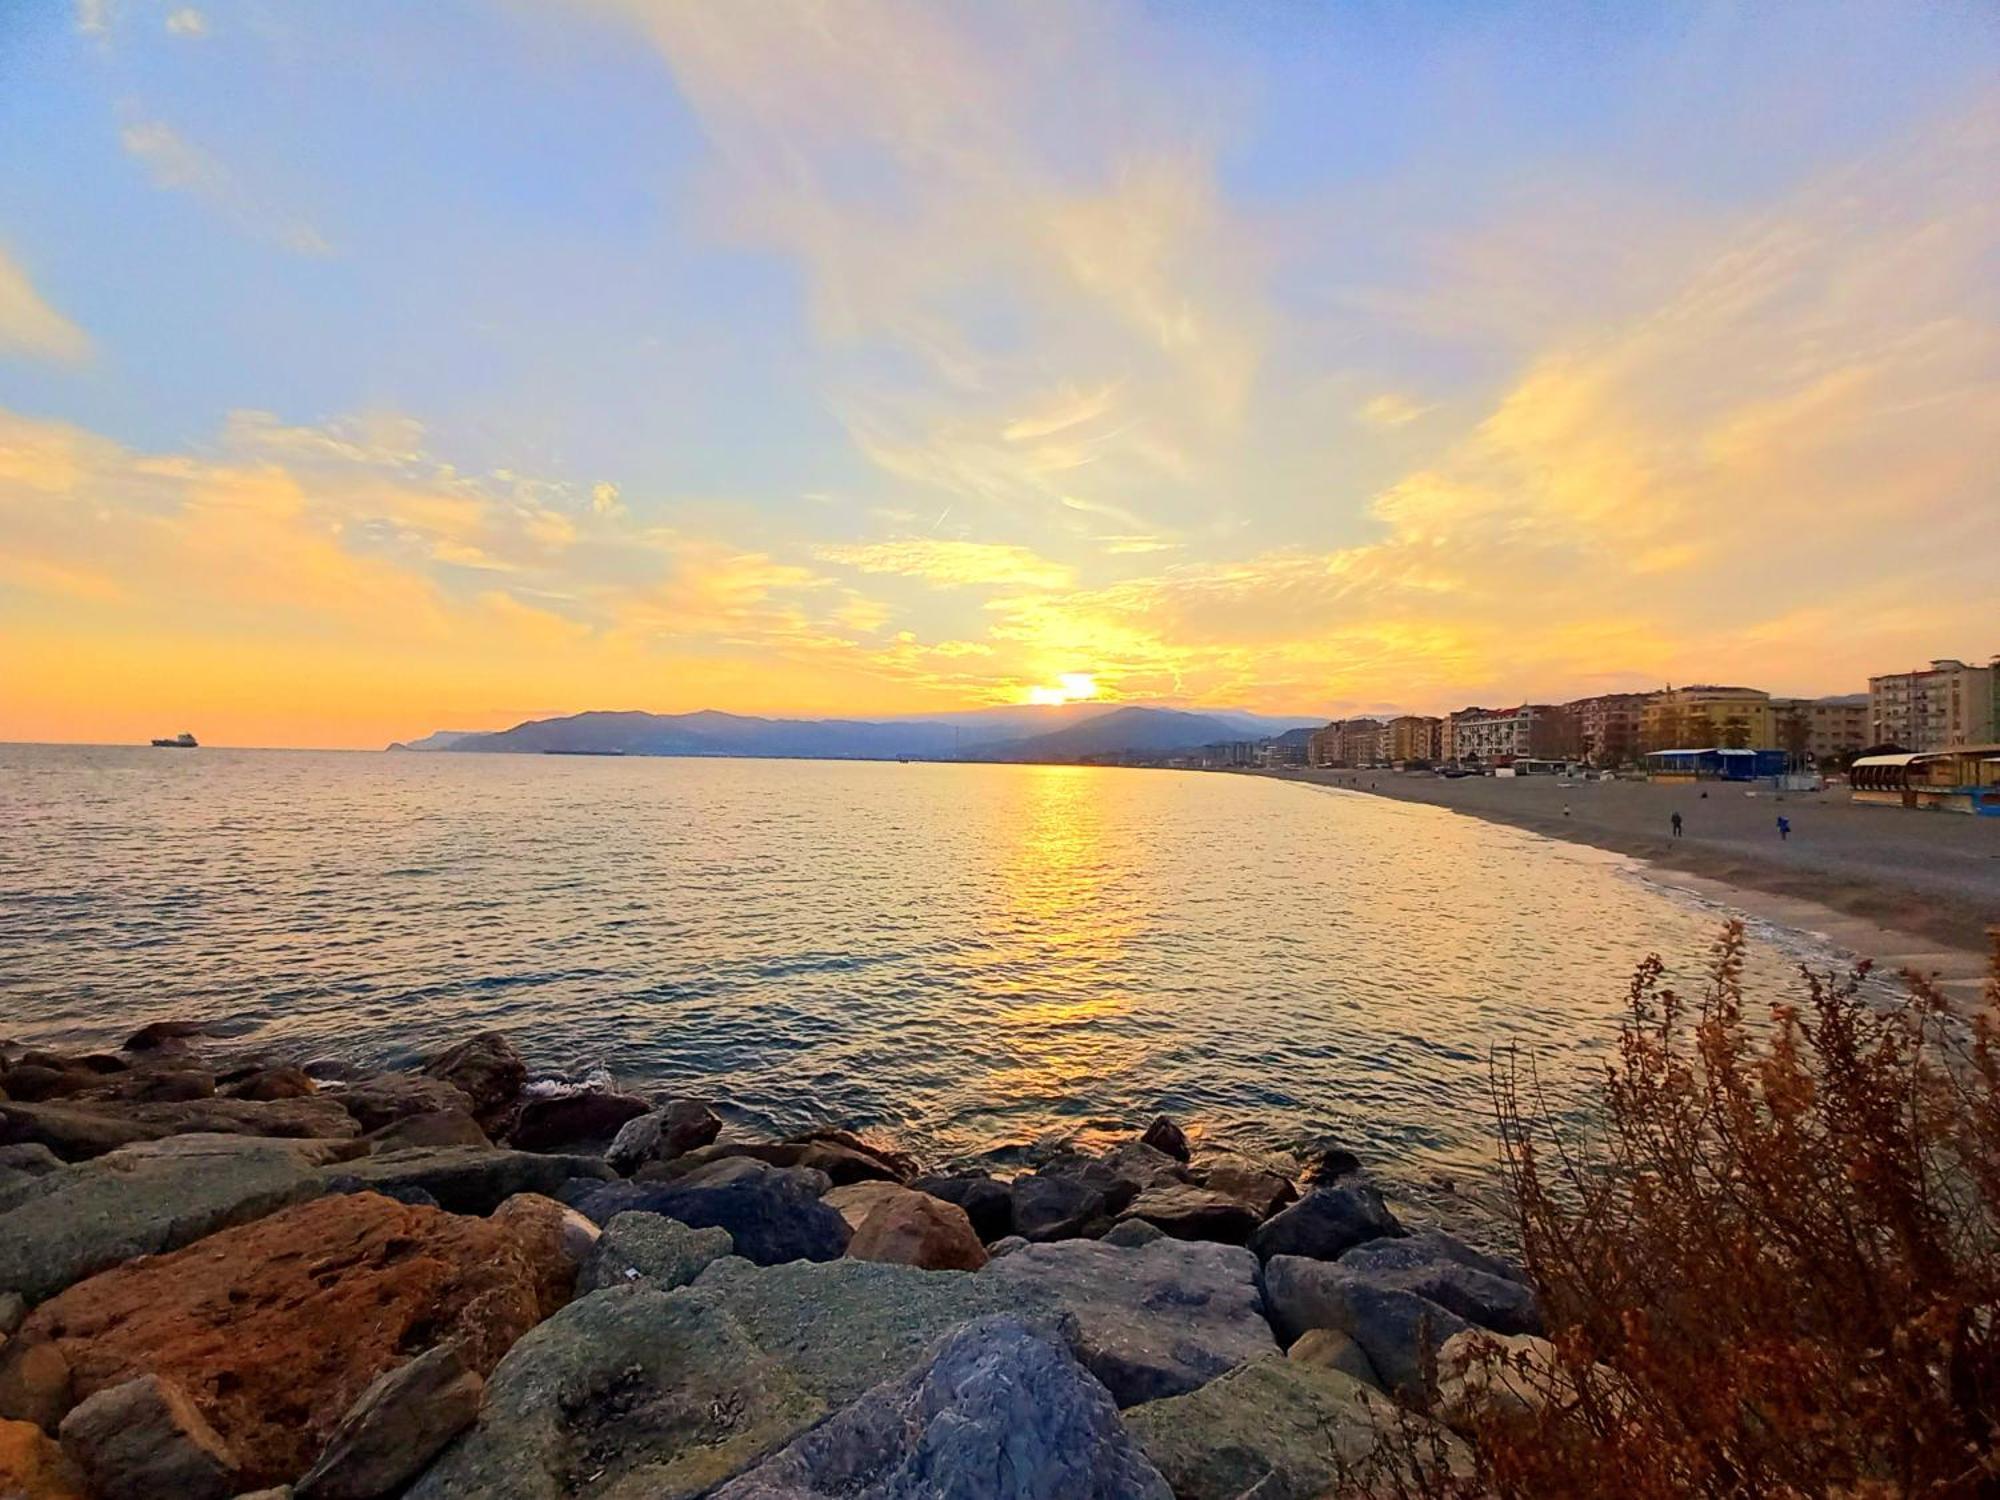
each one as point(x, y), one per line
point(1916, 890)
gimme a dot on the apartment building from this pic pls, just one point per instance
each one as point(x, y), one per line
point(1944, 705)
point(1500, 736)
point(1709, 716)
point(1608, 728)
point(1346, 742)
point(1409, 737)
point(1823, 730)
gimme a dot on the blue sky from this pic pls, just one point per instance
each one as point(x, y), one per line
point(509, 356)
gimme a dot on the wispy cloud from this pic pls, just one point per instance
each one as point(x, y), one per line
point(176, 164)
point(954, 564)
point(186, 21)
point(29, 326)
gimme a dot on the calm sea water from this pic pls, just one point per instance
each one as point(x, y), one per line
point(963, 957)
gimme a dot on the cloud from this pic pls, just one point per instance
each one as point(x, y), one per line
point(187, 21)
point(176, 164)
point(953, 564)
point(29, 326)
point(1390, 410)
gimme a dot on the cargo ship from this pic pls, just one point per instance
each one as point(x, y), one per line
point(181, 741)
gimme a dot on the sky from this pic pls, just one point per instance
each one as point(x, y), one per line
point(368, 369)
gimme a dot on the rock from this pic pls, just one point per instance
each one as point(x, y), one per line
point(142, 1200)
point(907, 1228)
point(387, 1097)
point(79, 1132)
point(13, 1309)
point(1330, 1349)
point(845, 1325)
point(156, 1035)
point(571, 1122)
point(471, 1179)
point(1194, 1213)
point(442, 1127)
point(1326, 1224)
point(275, 1083)
point(554, 1239)
point(1272, 1427)
point(1480, 1288)
point(1164, 1135)
point(623, 1395)
point(674, 1129)
point(69, 1132)
point(34, 1083)
point(1327, 1164)
point(34, 1384)
point(1014, 1242)
point(995, 1409)
point(162, 1085)
point(770, 1218)
point(30, 1158)
point(1487, 1379)
point(1156, 1321)
point(841, 1164)
point(1398, 1330)
point(32, 1467)
point(486, 1069)
point(1055, 1208)
point(1263, 1193)
point(900, 1165)
point(398, 1425)
point(643, 1249)
point(1120, 1174)
point(735, 1169)
point(144, 1439)
point(987, 1203)
point(1130, 1234)
point(276, 1328)
point(415, 1197)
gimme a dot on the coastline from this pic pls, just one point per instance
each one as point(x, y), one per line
point(1909, 890)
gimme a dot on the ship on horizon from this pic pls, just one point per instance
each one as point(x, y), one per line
point(181, 741)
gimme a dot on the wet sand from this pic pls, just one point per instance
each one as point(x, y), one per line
point(1909, 889)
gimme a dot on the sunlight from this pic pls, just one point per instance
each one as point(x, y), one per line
point(1070, 687)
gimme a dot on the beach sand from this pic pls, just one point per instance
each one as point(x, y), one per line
point(1908, 889)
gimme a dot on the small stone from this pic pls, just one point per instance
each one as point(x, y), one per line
point(1328, 1164)
point(1330, 1349)
point(399, 1424)
point(1006, 1246)
point(13, 1308)
point(34, 1384)
point(32, 1467)
point(1164, 1135)
point(157, 1034)
point(143, 1440)
point(1326, 1224)
point(644, 1249)
point(275, 1083)
point(1130, 1234)
point(673, 1129)
point(1262, 1192)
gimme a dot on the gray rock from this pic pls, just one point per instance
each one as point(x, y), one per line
point(1188, 1212)
point(1156, 1321)
point(735, 1169)
point(13, 1311)
point(1012, 1243)
point(79, 1132)
point(395, 1427)
point(469, 1179)
point(1326, 1223)
point(441, 1127)
point(1326, 1165)
point(30, 1159)
point(1400, 1331)
point(842, 1326)
point(143, 1440)
point(770, 1218)
point(651, 1250)
point(1130, 1234)
point(1330, 1349)
point(145, 1199)
point(842, 1163)
point(673, 1129)
point(987, 1202)
point(1055, 1208)
point(623, 1395)
point(1120, 1174)
point(1165, 1136)
point(401, 1192)
point(1270, 1427)
point(997, 1410)
point(1480, 1288)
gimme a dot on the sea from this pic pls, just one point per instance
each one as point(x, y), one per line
point(971, 961)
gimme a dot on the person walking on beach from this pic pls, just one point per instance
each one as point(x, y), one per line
point(1784, 828)
point(1677, 825)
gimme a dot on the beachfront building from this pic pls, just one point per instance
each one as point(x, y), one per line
point(1346, 742)
point(1292, 748)
point(1607, 727)
point(1448, 731)
point(1715, 764)
point(1944, 705)
point(1963, 779)
point(1821, 731)
point(1730, 718)
point(1537, 731)
point(1406, 738)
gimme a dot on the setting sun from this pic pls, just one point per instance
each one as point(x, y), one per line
point(1070, 687)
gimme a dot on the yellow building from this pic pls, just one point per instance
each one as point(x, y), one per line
point(1710, 716)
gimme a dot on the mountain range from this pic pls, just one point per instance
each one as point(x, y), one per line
point(1061, 732)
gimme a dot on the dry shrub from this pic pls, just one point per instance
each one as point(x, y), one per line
point(1772, 1270)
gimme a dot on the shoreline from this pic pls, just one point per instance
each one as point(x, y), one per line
point(1921, 893)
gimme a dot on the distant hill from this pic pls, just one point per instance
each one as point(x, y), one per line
point(442, 739)
point(1121, 731)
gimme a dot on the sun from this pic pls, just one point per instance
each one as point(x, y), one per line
point(1070, 687)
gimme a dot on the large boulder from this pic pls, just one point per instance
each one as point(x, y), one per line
point(846, 1325)
point(32, 1467)
point(34, 1384)
point(1326, 1223)
point(142, 1200)
point(79, 1131)
point(587, 1120)
point(70, 1132)
point(396, 1427)
point(649, 1250)
point(1272, 1427)
point(841, 1163)
point(770, 1217)
point(1262, 1192)
point(144, 1439)
point(1480, 1288)
point(624, 1395)
point(1330, 1349)
point(1120, 1174)
point(274, 1329)
point(1399, 1331)
point(901, 1165)
point(486, 1069)
point(907, 1228)
point(466, 1179)
point(997, 1408)
point(439, 1127)
point(1164, 1135)
point(1055, 1208)
point(387, 1097)
point(268, 1085)
point(673, 1129)
point(1188, 1212)
point(1155, 1321)
point(555, 1240)
point(989, 1204)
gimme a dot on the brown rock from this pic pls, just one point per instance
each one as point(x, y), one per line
point(276, 1328)
point(375, 1102)
point(554, 1238)
point(899, 1164)
point(32, 1467)
point(34, 1384)
point(162, 1085)
point(1330, 1349)
point(570, 1121)
point(1263, 1193)
point(1188, 1212)
point(398, 1425)
point(1164, 1135)
point(32, 1083)
point(841, 1163)
point(144, 1439)
point(157, 1034)
point(443, 1127)
point(71, 1132)
point(275, 1083)
point(486, 1069)
point(78, 1131)
point(907, 1228)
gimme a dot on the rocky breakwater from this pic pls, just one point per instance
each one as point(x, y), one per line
point(224, 1275)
